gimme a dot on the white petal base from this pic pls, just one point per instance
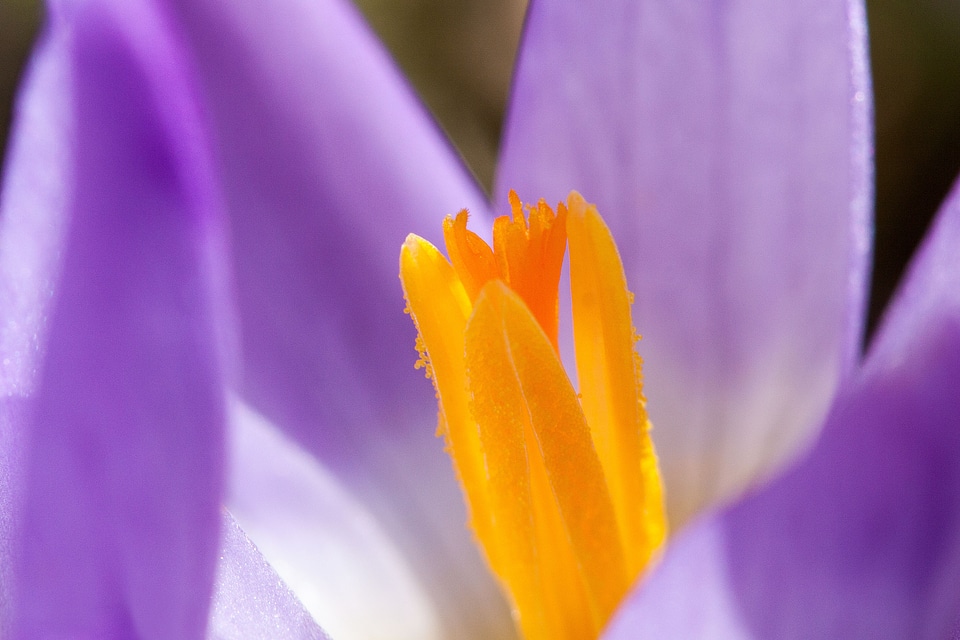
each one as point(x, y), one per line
point(321, 541)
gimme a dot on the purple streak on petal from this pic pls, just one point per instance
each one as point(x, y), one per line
point(726, 143)
point(250, 600)
point(124, 447)
point(328, 161)
point(862, 538)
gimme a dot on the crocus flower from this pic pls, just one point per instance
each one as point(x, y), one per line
point(200, 217)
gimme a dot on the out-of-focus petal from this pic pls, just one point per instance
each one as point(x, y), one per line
point(250, 600)
point(12, 418)
point(727, 145)
point(328, 161)
point(862, 538)
point(32, 209)
point(31, 231)
point(930, 291)
point(320, 540)
point(123, 422)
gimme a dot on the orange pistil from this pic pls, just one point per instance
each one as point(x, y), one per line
point(526, 256)
point(562, 488)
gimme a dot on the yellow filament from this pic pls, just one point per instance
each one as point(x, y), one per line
point(563, 491)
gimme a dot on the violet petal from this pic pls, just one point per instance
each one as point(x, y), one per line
point(862, 538)
point(32, 213)
point(328, 160)
point(727, 146)
point(123, 465)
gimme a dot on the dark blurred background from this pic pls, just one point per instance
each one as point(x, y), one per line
point(459, 54)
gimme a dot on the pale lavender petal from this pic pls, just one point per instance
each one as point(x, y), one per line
point(32, 210)
point(123, 432)
point(250, 600)
point(321, 540)
point(328, 161)
point(862, 538)
point(727, 145)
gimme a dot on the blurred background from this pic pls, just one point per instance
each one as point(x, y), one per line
point(459, 55)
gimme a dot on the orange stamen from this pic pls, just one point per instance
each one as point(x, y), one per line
point(562, 488)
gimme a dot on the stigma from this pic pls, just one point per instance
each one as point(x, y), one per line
point(561, 485)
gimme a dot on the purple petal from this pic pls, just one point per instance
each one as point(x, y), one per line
point(123, 462)
point(727, 145)
point(862, 539)
point(31, 233)
point(931, 290)
point(328, 161)
point(32, 210)
point(12, 418)
point(250, 600)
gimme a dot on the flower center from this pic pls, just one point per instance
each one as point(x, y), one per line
point(562, 488)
